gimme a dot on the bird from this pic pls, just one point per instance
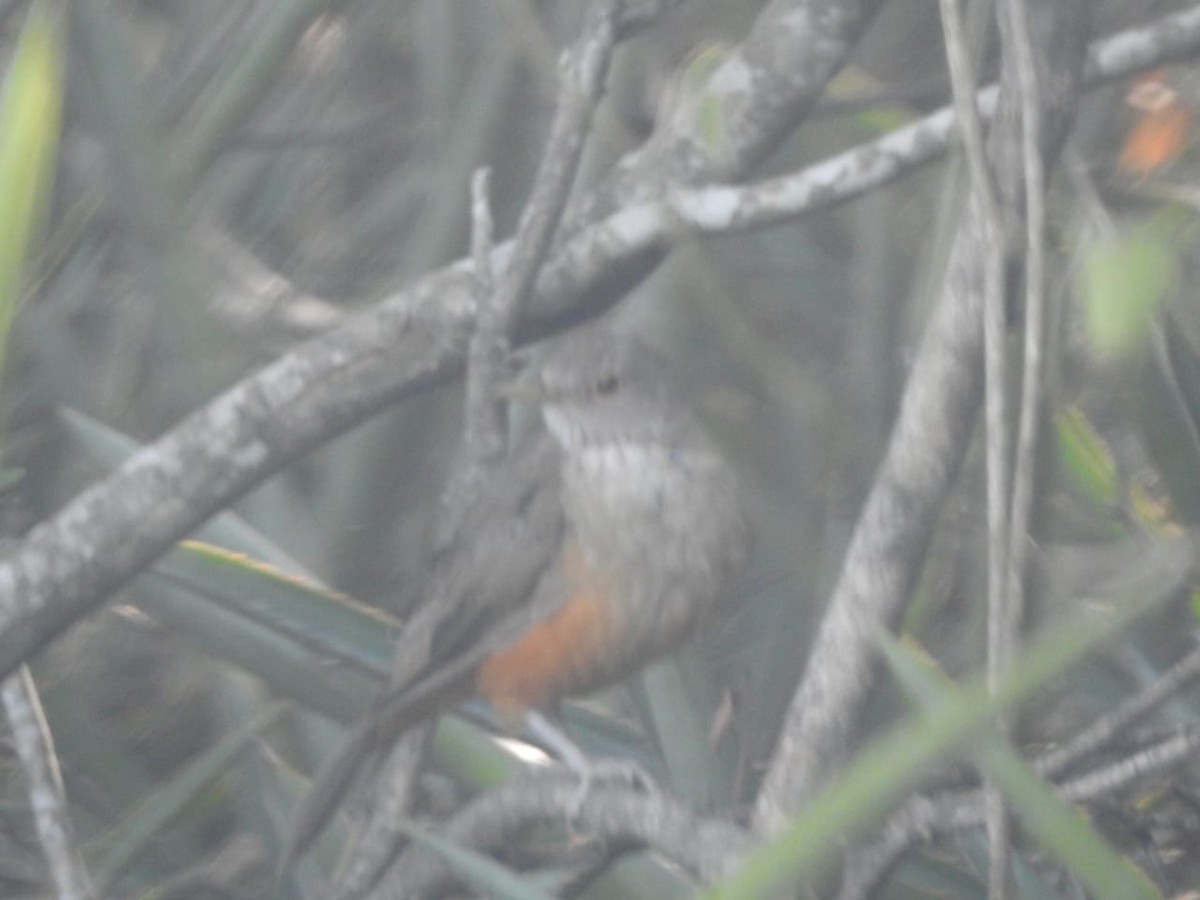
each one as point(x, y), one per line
point(607, 534)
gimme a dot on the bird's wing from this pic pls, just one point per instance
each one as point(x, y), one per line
point(491, 578)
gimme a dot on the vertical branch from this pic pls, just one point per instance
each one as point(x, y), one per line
point(1007, 611)
point(1035, 314)
point(962, 80)
point(498, 304)
point(584, 73)
point(931, 432)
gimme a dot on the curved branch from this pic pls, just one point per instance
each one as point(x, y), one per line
point(705, 847)
point(115, 528)
point(110, 531)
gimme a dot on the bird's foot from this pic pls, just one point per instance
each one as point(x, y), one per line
point(590, 772)
point(622, 772)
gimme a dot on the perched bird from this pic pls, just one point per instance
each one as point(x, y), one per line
point(596, 546)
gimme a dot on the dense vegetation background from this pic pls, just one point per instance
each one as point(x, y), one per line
point(234, 178)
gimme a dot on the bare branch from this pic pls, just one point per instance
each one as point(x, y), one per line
point(584, 72)
point(110, 531)
point(1034, 318)
point(929, 437)
point(414, 339)
point(962, 80)
point(483, 433)
point(704, 847)
point(250, 297)
point(1011, 523)
point(35, 749)
point(498, 305)
point(1105, 729)
point(755, 97)
point(922, 818)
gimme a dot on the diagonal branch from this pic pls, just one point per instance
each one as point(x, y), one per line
point(922, 818)
point(110, 531)
point(929, 438)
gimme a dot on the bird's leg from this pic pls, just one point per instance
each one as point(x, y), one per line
point(588, 771)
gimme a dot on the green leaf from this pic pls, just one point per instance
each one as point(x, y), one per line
point(1048, 818)
point(1061, 830)
point(264, 619)
point(701, 64)
point(30, 118)
point(679, 710)
point(331, 624)
point(340, 692)
point(1122, 283)
point(891, 766)
point(260, 611)
point(479, 871)
point(709, 108)
point(470, 756)
point(143, 826)
point(1086, 460)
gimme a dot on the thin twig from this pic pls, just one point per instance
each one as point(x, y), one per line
point(275, 303)
point(584, 73)
point(1009, 611)
point(1119, 775)
point(962, 81)
point(250, 298)
point(1110, 726)
point(1035, 315)
point(69, 563)
point(35, 749)
point(483, 433)
point(922, 818)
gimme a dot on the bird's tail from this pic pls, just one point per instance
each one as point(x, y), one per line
point(395, 712)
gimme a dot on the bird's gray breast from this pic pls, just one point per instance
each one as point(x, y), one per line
point(666, 521)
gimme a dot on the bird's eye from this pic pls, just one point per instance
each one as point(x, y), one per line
point(607, 385)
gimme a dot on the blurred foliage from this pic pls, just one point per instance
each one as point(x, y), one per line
point(334, 142)
point(30, 110)
point(1123, 284)
point(1086, 462)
